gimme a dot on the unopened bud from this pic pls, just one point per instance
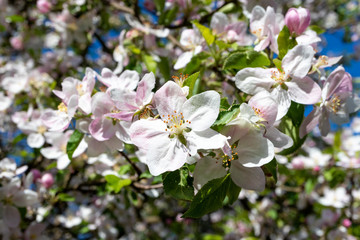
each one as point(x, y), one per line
point(297, 20)
point(36, 174)
point(47, 180)
point(43, 6)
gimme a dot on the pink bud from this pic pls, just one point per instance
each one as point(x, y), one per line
point(346, 223)
point(316, 169)
point(36, 174)
point(47, 180)
point(297, 20)
point(44, 6)
point(17, 42)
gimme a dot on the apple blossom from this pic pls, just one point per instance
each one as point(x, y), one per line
point(183, 129)
point(290, 85)
point(337, 102)
point(47, 180)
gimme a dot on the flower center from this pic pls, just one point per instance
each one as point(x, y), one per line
point(62, 107)
point(180, 80)
point(258, 33)
point(80, 89)
point(333, 104)
point(258, 112)
point(41, 129)
point(227, 157)
point(176, 124)
point(278, 76)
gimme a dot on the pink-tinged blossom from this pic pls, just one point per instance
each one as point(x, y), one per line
point(297, 20)
point(17, 42)
point(266, 26)
point(249, 151)
point(59, 120)
point(44, 6)
point(184, 128)
point(337, 102)
point(103, 127)
point(127, 81)
point(230, 32)
point(133, 103)
point(57, 150)
point(192, 40)
point(290, 85)
point(262, 111)
point(346, 161)
point(83, 89)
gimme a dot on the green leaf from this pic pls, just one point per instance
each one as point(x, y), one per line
point(205, 32)
point(285, 42)
point(164, 67)
point(179, 184)
point(222, 45)
point(160, 5)
point(193, 65)
point(115, 183)
point(271, 167)
point(317, 29)
point(66, 197)
point(190, 82)
point(277, 63)
point(290, 125)
point(224, 104)
point(18, 138)
point(51, 166)
point(150, 63)
point(211, 197)
point(248, 58)
point(15, 18)
point(73, 142)
point(169, 16)
point(226, 116)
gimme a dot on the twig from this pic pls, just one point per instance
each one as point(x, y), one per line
point(147, 187)
point(137, 170)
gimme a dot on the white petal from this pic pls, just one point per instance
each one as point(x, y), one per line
point(297, 61)
point(206, 169)
point(207, 139)
point(167, 156)
point(248, 178)
point(283, 100)
point(35, 140)
point(183, 60)
point(51, 152)
point(202, 110)
point(63, 162)
point(279, 139)
point(254, 150)
point(11, 216)
point(254, 80)
point(25, 198)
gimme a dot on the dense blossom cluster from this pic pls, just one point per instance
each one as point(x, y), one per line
point(229, 129)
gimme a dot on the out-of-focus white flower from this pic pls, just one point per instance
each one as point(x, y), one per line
point(337, 198)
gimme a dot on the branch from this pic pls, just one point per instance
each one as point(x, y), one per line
point(136, 168)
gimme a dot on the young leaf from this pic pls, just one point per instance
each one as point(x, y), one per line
point(66, 197)
point(150, 63)
point(290, 125)
point(73, 142)
point(179, 184)
point(226, 116)
point(190, 82)
point(115, 183)
point(205, 32)
point(211, 197)
point(285, 42)
point(248, 58)
point(271, 167)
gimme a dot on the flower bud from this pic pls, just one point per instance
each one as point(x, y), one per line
point(43, 6)
point(346, 223)
point(47, 180)
point(36, 174)
point(297, 20)
point(17, 42)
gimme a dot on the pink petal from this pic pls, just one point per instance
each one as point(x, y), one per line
point(304, 91)
point(310, 122)
point(144, 89)
point(169, 98)
point(102, 129)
